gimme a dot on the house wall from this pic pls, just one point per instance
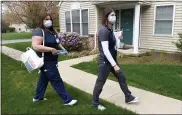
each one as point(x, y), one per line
point(20, 28)
point(147, 39)
point(65, 6)
point(150, 41)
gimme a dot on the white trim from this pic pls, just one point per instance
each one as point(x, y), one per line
point(139, 44)
point(133, 26)
point(81, 31)
point(75, 6)
point(71, 20)
point(95, 36)
point(65, 20)
point(154, 20)
point(136, 28)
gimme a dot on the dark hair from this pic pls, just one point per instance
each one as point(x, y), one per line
point(106, 13)
point(41, 23)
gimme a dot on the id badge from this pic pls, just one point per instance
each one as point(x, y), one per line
point(57, 40)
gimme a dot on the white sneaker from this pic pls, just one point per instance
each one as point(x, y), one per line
point(35, 100)
point(73, 102)
point(100, 107)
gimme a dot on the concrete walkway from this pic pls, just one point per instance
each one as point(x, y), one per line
point(151, 103)
point(13, 53)
point(15, 41)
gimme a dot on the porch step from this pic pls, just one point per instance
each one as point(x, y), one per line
point(129, 52)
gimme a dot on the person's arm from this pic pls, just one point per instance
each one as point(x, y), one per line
point(105, 46)
point(61, 46)
point(37, 39)
point(37, 44)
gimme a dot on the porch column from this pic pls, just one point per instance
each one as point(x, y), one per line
point(136, 28)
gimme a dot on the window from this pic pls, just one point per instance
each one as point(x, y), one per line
point(85, 22)
point(77, 21)
point(68, 21)
point(164, 20)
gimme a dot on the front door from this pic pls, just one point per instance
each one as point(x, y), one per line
point(127, 25)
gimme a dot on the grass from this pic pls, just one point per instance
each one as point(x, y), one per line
point(19, 46)
point(14, 36)
point(18, 88)
point(152, 59)
point(24, 45)
point(159, 78)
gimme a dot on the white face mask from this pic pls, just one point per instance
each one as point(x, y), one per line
point(47, 23)
point(112, 18)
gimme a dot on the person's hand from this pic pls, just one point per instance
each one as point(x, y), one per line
point(54, 51)
point(120, 37)
point(66, 51)
point(116, 68)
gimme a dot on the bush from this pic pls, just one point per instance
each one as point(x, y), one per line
point(96, 59)
point(57, 29)
point(178, 44)
point(71, 41)
point(11, 29)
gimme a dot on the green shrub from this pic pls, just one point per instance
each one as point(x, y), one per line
point(11, 29)
point(178, 43)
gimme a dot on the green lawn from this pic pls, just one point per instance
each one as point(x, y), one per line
point(13, 36)
point(18, 89)
point(22, 47)
point(163, 79)
point(19, 46)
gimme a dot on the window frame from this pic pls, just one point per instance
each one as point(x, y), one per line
point(71, 22)
point(173, 20)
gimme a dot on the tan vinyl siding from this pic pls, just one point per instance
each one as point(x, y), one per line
point(100, 13)
point(65, 6)
point(148, 40)
point(83, 5)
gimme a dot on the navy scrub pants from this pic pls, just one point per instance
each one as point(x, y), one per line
point(51, 74)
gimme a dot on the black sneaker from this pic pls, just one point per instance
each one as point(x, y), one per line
point(132, 99)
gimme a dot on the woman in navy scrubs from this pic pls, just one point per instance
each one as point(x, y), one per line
point(107, 60)
point(49, 72)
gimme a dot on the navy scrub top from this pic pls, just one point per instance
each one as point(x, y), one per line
point(50, 41)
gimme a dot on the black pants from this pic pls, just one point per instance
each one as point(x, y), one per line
point(103, 73)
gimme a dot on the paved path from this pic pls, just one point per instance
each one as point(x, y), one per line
point(151, 103)
point(15, 41)
point(13, 53)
